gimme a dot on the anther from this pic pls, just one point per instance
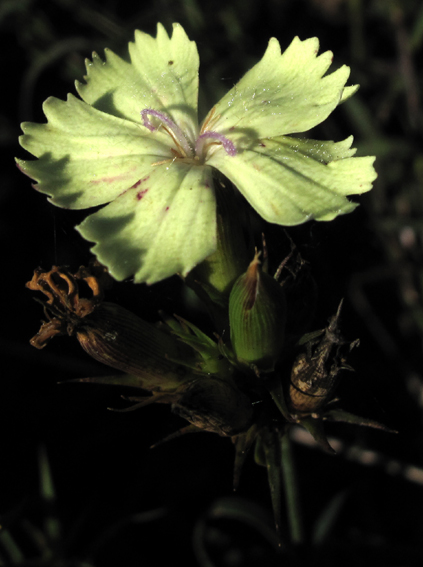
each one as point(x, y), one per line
point(228, 146)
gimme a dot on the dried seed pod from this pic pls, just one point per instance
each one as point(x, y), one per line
point(310, 386)
point(108, 332)
point(257, 313)
point(315, 373)
point(215, 405)
point(116, 337)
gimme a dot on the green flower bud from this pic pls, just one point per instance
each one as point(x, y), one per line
point(257, 313)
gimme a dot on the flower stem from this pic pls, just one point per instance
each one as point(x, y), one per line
point(213, 278)
point(292, 498)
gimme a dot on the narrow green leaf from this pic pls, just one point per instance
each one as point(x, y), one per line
point(272, 452)
point(243, 444)
point(347, 417)
point(315, 428)
point(326, 522)
point(292, 498)
point(11, 547)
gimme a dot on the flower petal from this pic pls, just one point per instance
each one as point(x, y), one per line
point(163, 74)
point(289, 181)
point(348, 92)
point(165, 225)
point(87, 157)
point(283, 93)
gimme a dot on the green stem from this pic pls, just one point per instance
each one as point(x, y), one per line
point(272, 452)
point(292, 498)
point(212, 279)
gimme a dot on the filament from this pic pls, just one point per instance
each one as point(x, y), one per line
point(172, 129)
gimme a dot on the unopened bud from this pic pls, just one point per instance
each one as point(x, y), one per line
point(215, 405)
point(257, 313)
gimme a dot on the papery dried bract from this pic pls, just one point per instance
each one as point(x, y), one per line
point(315, 373)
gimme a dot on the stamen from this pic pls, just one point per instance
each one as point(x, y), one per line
point(184, 149)
point(228, 146)
point(210, 121)
point(173, 129)
point(180, 152)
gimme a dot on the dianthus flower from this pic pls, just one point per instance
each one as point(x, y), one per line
point(134, 142)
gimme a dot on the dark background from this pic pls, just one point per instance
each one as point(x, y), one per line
point(103, 469)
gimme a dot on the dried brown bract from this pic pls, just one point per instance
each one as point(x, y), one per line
point(65, 307)
point(315, 373)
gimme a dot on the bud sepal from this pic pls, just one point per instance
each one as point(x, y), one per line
point(257, 312)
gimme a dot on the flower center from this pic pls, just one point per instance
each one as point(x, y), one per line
point(185, 148)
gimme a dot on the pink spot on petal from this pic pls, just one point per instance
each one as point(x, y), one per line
point(113, 178)
point(141, 194)
point(135, 185)
point(167, 208)
point(107, 179)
